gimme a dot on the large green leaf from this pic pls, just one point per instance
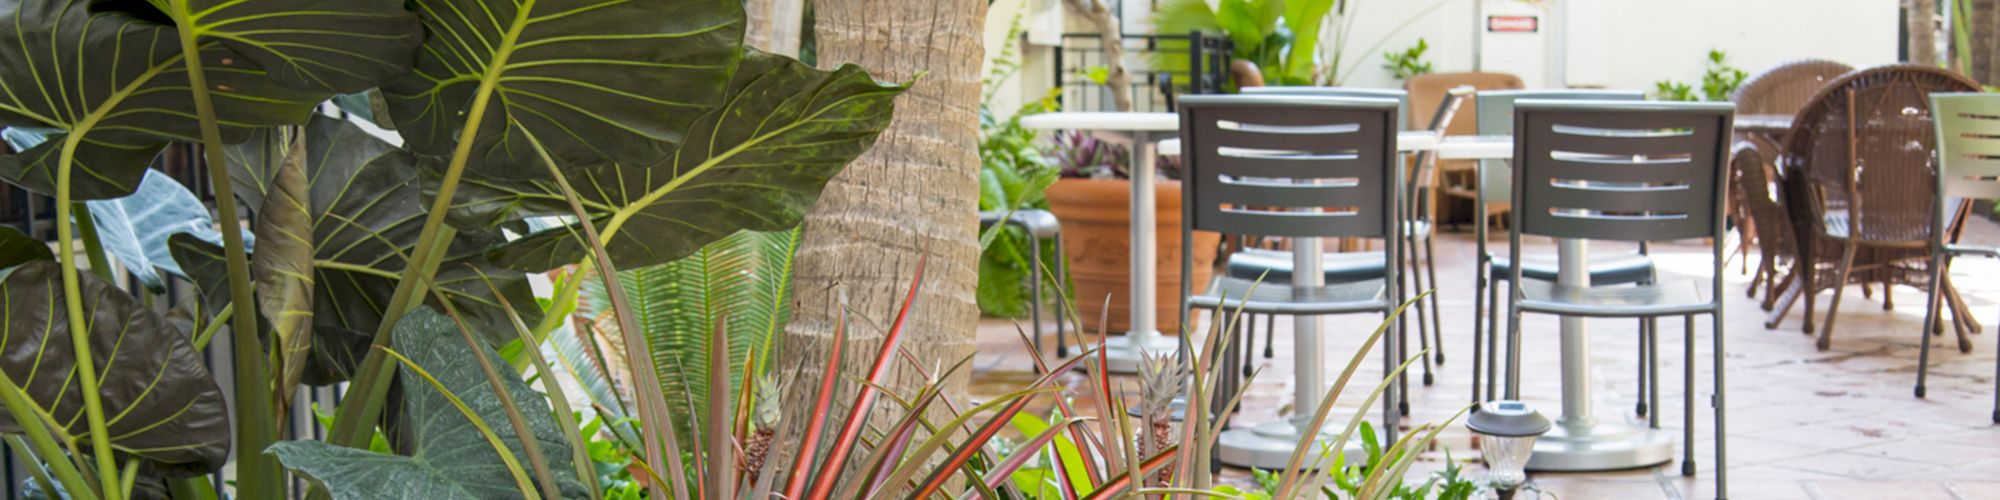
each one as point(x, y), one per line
point(596, 81)
point(742, 282)
point(756, 163)
point(1304, 18)
point(367, 209)
point(319, 45)
point(118, 83)
point(450, 458)
point(17, 248)
point(157, 393)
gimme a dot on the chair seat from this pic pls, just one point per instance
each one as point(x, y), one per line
point(1957, 249)
point(1604, 270)
point(1668, 299)
point(1230, 293)
point(1276, 266)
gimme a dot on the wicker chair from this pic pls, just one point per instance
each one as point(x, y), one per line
point(1750, 178)
point(1782, 90)
point(1859, 158)
point(1455, 177)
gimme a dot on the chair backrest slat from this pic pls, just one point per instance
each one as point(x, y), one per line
point(1496, 117)
point(1620, 170)
point(1293, 166)
point(1968, 128)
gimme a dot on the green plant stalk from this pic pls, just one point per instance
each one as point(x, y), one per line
point(44, 444)
point(521, 480)
point(257, 476)
point(92, 244)
point(578, 450)
point(208, 331)
point(38, 474)
point(93, 404)
point(371, 384)
point(126, 478)
point(192, 488)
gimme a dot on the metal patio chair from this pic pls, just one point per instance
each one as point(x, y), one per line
point(1326, 168)
point(1968, 143)
point(1496, 110)
point(1624, 171)
point(1039, 225)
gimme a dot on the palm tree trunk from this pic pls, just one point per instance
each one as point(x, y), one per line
point(774, 25)
point(1112, 37)
point(1922, 30)
point(1982, 22)
point(915, 193)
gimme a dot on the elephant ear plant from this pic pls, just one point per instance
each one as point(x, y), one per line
point(643, 128)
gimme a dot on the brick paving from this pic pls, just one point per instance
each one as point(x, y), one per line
point(1802, 423)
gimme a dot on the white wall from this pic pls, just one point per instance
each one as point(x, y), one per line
point(1633, 43)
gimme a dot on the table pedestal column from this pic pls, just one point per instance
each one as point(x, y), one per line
point(1579, 442)
point(1123, 353)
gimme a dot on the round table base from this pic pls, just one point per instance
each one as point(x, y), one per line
point(1269, 446)
point(1602, 446)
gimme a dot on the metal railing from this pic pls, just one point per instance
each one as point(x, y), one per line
point(1190, 63)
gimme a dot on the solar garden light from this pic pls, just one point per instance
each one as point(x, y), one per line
point(1507, 432)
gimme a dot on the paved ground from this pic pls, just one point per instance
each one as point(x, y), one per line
point(1802, 423)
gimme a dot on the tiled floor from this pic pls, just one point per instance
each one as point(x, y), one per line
point(1802, 423)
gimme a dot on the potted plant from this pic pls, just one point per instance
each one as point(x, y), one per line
point(1094, 199)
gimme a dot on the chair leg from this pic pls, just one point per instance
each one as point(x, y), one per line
point(1688, 390)
point(1644, 334)
point(1493, 340)
point(1249, 343)
point(1062, 301)
point(1478, 316)
point(1270, 334)
point(1403, 379)
point(1653, 370)
point(1423, 330)
point(1888, 297)
point(1513, 351)
point(1035, 288)
point(1810, 275)
point(1931, 312)
point(1833, 308)
point(1430, 267)
point(1719, 401)
point(1391, 418)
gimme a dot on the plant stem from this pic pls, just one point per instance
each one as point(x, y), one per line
point(92, 245)
point(256, 475)
point(366, 392)
point(79, 331)
point(37, 429)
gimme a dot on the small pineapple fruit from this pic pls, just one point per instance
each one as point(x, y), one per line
point(763, 425)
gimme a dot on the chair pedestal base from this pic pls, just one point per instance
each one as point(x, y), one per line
point(1601, 446)
point(1269, 446)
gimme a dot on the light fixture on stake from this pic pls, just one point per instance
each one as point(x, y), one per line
point(1507, 432)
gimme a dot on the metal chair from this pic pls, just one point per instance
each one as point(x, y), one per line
point(1624, 171)
point(1968, 143)
point(1346, 267)
point(1328, 167)
point(1039, 225)
point(1496, 117)
point(1457, 179)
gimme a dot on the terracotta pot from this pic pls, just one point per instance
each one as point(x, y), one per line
point(1097, 232)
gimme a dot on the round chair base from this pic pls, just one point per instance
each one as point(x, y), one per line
point(1122, 353)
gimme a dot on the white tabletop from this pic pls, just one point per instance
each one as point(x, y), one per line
point(1407, 140)
point(1109, 121)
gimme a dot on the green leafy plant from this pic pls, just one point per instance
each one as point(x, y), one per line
point(1718, 82)
point(1407, 62)
point(1013, 175)
point(1288, 40)
point(378, 250)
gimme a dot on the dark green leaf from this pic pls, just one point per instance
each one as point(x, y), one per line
point(450, 458)
point(367, 211)
point(134, 228)
point(283, 264)
point(17, 248)
point(596, 82)
point(157, 393)
point(318, 45)
point(757, 163)
point(119, 83)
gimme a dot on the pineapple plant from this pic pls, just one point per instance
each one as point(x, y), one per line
point(763, 426)
point(1161, 379)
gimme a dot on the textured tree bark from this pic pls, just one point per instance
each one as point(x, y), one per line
point(1982, 22)
point(1112, 36)
point(1922, 27)
point(774, 25)
point(915, 193)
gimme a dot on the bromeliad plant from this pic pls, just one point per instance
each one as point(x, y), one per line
point(383, 258)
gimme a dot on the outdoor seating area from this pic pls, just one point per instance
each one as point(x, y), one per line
point(999, 249)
